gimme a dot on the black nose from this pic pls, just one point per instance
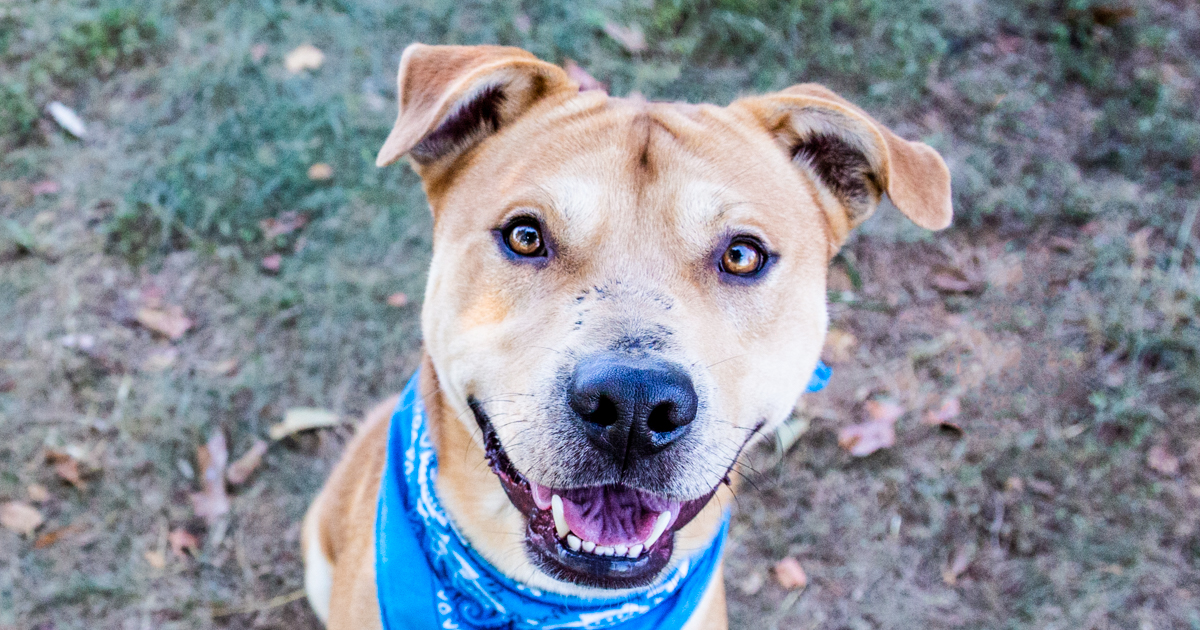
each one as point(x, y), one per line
point(632, 406)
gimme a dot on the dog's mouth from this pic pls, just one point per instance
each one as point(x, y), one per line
point(607, 536)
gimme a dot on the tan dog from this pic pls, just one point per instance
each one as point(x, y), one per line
point(623, 295)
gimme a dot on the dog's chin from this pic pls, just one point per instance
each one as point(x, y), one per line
point(612, 536)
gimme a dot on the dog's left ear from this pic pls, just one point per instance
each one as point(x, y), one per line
point(453, 97)
point(854, 157)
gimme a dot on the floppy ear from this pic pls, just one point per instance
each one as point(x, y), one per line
point(452, 97)
point(854, 157)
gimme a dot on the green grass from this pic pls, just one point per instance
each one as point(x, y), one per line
point(1069, 127)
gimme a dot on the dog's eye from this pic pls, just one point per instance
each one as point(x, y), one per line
point(524, 238)
point(743, 258)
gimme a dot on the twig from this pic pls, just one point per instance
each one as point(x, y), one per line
point(274, 602)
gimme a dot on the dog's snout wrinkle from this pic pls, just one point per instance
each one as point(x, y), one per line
point(632, 406)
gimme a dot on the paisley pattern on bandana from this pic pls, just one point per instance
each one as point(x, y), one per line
point(428, 576)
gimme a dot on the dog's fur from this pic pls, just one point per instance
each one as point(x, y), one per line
point(637, 201)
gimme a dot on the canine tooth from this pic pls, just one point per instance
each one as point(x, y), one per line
point(620, 550)
point(660, 526)
point(573, 542)
point(635, 550)
point(604, 551)
point(588, 546)
point(560, 521)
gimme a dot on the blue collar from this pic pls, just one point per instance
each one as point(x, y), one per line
point(427, 575)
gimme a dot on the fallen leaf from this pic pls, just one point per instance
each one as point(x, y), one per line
point(303, 57)
point(1162, 461)
point(240, 470)
point(958, 564)
point(181, 541)
point(53, 536)
point(1062, 244)
point(211, 503)
point(257, 52)
point(68, 470)
point(1044, 488)
point(67, 119)
point(1111, 15)
point(630, 37)
point(285, 223)
point(752, 584)
point(585, 80)
point(161, 359)
point(320, 172)
point(45, 187)
point(945, 415)
point(301, 419)
point(1014, 484)
point(1008, 44)
point(228, 367)
point(38, 493)
point(155, 559)
point(954, 282)
point(840, 344)
point(272, 263)
point(20, 517)
point(168, 321)
point(878, 432)
point(398, 300)
point(790, 574)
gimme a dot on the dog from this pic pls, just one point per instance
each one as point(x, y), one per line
point(623, 296)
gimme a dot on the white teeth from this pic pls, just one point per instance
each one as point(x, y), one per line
point(560, 521)
point(620, 550)
point(589, 546)
point(660, 526)
point(604, 551)
point(635, 550)
point(573, 542)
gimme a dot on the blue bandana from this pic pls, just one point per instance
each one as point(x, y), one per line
point(427, 575)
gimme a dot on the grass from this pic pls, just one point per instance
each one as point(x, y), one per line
point(1071, 133)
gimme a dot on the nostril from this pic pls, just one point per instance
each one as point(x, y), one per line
point(605, 414)
point(659, 420)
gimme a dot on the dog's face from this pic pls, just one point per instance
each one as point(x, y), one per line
point(623, 294)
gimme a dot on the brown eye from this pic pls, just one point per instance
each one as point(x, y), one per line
point(525, 239)
point(743, 258)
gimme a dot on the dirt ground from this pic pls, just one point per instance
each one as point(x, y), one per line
point(1061, 313)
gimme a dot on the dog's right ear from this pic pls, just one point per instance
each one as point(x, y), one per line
point(452, 97)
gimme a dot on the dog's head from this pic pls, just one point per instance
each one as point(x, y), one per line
point(624, 294)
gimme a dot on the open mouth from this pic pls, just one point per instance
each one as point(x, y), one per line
point(609, 536)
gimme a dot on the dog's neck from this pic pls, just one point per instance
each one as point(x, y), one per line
point(475, 499)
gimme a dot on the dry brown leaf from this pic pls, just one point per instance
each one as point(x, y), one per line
point(946, 416)
point(53, 536)
point(182, 542)
point(629, 37)
point(228, 367)
point(397, 300)
point(1162, 461)
point(301, 419)
point(840, 344)
point(790, 574)
point(878, 432)
point(285, 223)
point(240, 470)
point(585, 80)
point(155, 559)
point(68, 470)
point(958, 564)
point(320, 172)
point(20, 517)
point(211, 503)
point(303, 57)
point(38, 493)
point(954, 282)
point(1044, 488)
point(272, 263)
point(161, 359)
point(168, 321)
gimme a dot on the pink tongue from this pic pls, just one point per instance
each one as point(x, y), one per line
point(609, 515)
